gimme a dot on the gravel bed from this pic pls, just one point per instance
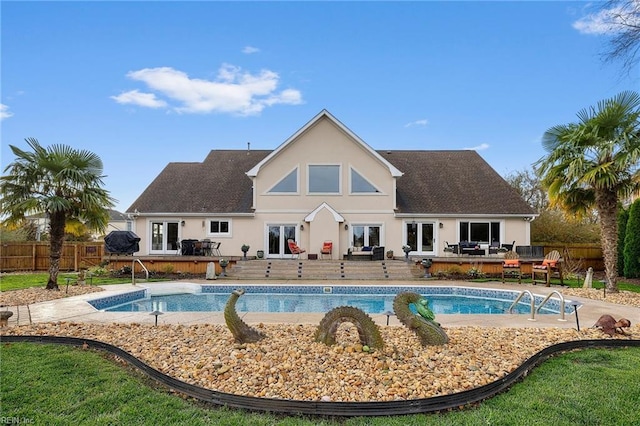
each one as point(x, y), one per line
point(29, 296)
point(288, 364)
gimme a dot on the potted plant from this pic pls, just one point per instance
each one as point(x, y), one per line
point(223, 265)
point(245, 249)
point(389, 254)
point(260, 254)
point(406, 249)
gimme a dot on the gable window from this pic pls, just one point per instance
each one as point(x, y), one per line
point(482, 232)
point(288, 184)
point(220, 227)
point(360, 185)
point(324, 179)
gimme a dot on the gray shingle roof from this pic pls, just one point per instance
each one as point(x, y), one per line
point(452, 182)
point(217, 185)
point(434, 182)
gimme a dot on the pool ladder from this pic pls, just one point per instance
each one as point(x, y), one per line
point(133, 270)
point(535, 310)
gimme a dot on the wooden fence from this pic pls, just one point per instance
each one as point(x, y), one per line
point(34, 256)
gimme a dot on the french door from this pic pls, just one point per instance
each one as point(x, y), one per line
point(277, 236)
point(164, 237)
point(420, 237)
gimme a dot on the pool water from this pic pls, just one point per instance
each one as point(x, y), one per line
point(280, 302)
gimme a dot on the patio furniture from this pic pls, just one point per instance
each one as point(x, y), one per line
point(471, 248)
point(450, 249)
point(215, 249)
point(494, 247)
point(327, 249)
point(198, 249)
point(511, 266)
point(509, 247)
point(549, 265)
point(295, 249)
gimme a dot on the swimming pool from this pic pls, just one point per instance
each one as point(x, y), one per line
point(280, 298)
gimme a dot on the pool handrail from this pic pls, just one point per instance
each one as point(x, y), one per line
point(562, 303)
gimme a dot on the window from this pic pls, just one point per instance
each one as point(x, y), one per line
point(365, 235)
point(219, 227)
point(288, 184)
point(482, 232)
point(360, 185)
point(324, 179)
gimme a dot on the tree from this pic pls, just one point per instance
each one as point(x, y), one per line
point(530, 188)
point(593, 163)
point(625, 25)
point(623, 218)
point(60, 181)
point(632, 243)
point(620, 20)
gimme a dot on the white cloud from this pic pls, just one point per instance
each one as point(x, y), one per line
point(608, 21)
point(135, 97)
point(480, 147)
point(232, 91)
point(250, 49)
point(4, 112)
point(422, 123)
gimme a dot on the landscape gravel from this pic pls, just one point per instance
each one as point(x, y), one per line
point(288, 364)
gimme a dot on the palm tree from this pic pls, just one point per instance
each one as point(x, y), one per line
point(60, 181)
point(592, 164)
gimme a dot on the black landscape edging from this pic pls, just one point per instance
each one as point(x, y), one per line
point(318, 408)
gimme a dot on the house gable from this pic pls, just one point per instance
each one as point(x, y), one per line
point(324, 155)
point(322, 115)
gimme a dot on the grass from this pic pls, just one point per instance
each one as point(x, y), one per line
point(48, 384)
point(27, 280)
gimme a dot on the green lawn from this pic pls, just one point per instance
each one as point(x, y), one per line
point(48, 384)
point(20, 281)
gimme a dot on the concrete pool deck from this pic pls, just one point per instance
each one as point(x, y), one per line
point(76, 308)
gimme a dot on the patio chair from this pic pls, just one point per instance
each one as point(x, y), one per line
point(215, 249)
point(549, 265)
point(511, 265)
point(494, 247)
point(295, 249)
point(509, 247)
point(198, 248)
point(450, 249)
point(327, 249)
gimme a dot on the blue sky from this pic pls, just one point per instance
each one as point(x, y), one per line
point(142, 84)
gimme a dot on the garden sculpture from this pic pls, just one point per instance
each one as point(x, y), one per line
point(240, 330)
point(610, 326)
point(367, 329)
point(423, 324)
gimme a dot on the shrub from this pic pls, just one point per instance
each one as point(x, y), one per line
point(632, 242)
point(553, 226)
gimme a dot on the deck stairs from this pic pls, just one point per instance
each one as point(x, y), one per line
point(276, 269)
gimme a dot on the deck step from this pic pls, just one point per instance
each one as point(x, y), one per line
point(275, 269)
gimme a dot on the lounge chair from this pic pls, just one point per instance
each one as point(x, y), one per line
point(327, 249)
point(295, 249)
point(511, 265)
point(549, 265)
